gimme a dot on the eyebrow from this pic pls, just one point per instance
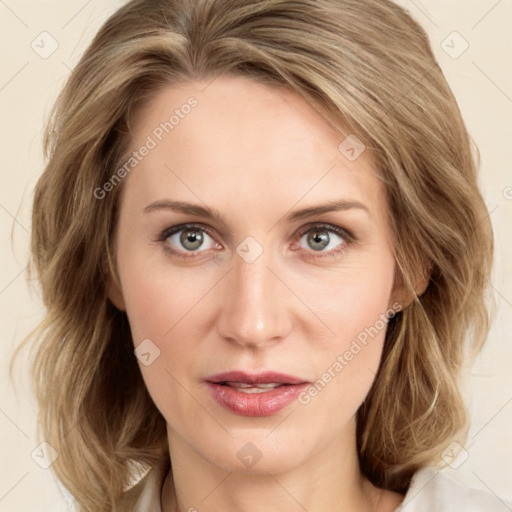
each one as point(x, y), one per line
point(212, 213)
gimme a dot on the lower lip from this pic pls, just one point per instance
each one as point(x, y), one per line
point(255, 404)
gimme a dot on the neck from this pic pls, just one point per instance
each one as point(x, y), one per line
point(327, 481)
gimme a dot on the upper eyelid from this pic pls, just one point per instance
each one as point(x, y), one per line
point(329, 227)
point(172, 230)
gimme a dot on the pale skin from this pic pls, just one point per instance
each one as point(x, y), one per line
point(255, 154)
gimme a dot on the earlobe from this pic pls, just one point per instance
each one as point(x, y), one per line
point(422, 283)
point(423, 278)
point(113, 287)
point(405, 296)
point(114, 294)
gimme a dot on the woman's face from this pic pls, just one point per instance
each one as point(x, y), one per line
point(264, 284)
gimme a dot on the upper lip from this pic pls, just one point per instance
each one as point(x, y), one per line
point(255, 378)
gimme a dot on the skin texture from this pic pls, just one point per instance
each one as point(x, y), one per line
point(255, 154)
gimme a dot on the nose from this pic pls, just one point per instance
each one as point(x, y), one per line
point(255, 304)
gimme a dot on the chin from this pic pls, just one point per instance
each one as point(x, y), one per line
point(257, 454)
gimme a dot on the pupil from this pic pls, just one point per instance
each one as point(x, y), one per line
point(319, 237)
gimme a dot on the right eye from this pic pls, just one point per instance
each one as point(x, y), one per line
point(188, 238)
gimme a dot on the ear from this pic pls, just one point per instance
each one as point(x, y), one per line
point(402, 293)
point(115, 294)
point(113, 286)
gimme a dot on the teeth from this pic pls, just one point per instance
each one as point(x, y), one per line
point(244, 387)
point(250, 391)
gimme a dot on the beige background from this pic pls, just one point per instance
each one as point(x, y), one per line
point(481, 78)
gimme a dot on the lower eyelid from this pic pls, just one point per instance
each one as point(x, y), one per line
point(323, 254)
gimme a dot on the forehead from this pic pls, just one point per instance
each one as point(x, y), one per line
point(241, 137)
point(231, 102)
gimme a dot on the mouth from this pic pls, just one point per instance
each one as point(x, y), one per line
point(244, 387)
point(259, 394)
point(261, 378)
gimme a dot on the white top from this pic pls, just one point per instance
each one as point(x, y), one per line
point(430, 491)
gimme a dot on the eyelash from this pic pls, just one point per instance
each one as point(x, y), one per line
point(346, 235)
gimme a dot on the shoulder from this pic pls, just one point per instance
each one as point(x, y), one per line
point(434, 491)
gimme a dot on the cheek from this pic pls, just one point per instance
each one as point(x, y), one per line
point(356, 308)
point(347, 368)
point(157, 296)
point(352, 302)
point(161, 306)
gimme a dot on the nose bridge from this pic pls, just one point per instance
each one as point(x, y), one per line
point(254, 310)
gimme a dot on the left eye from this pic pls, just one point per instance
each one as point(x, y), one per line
point(321, 239)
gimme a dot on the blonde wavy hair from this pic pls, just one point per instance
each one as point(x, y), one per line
point(363, 64)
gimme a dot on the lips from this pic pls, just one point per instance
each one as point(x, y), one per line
point(260, 394)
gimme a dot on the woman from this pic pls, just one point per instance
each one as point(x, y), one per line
point(263, 253)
